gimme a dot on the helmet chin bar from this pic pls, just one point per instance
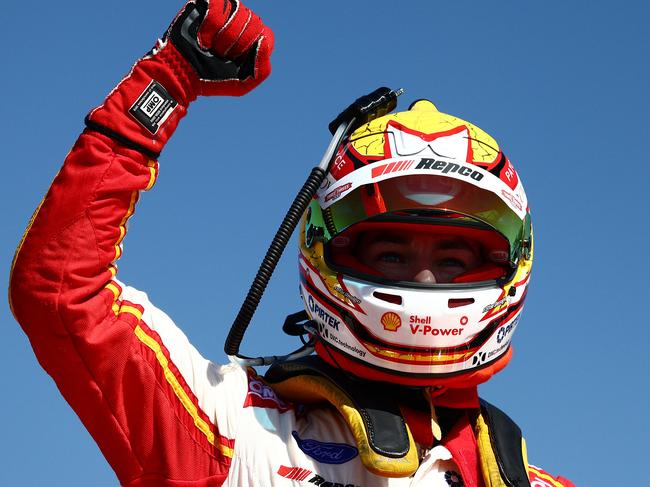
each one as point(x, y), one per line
point(361, 111)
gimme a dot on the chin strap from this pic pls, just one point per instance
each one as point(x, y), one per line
point(379, 420)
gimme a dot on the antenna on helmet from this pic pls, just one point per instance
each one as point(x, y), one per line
point(364, 109)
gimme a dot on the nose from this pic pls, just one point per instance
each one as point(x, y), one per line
point(425, 276)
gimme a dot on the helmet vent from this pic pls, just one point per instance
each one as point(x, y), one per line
point(389, 298)
point(457, 303)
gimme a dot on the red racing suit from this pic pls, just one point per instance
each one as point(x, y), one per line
point(161, 413)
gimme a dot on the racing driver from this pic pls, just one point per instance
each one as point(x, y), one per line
point(415, 256)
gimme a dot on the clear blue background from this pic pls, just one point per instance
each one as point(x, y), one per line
point(562, 85)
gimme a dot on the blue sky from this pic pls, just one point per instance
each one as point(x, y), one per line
point(563, 86)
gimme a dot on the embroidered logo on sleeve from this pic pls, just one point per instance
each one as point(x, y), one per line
point(261, 395)
point(153, 107)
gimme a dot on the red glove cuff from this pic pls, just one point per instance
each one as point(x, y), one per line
point(144, 109)
point(208, 50)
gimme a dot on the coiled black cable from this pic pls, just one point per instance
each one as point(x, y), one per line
point(362, 110)
point(271, 259)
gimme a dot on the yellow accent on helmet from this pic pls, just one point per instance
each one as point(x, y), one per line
point(423, 116)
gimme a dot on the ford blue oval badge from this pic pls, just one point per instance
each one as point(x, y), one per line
point(334, 453)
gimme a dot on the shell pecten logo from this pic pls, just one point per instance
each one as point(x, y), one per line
point(391, 321)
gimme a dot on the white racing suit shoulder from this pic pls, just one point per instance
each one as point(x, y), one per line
point(275, 443)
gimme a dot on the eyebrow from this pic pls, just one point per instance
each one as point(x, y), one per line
point(455, 244)
point(447, 244)
point(394, 238)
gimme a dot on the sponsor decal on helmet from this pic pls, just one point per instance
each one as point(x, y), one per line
point(322, 314)
point(449, 167)
point(378, 170)
point(424, 320)
point(332, 453)
point(499, 303)
point(509, 175)
point(504, 341)
point(347, 295)
point(336, 194)
point(391, 321)
point(351, 348)
point(479, 358)
point(429, 330)
point(514, 200)
point(263, 396)
point(504, 331)
point(498, 350)
point(339, 163)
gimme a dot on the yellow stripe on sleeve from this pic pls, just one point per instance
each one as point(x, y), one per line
point(125, 308)
point(114, 289)
point(152, 175)
point(187, 403)
point(122, 227)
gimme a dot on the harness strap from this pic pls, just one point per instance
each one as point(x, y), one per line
point(502, 449)
point(384, 439)
point(385, 443)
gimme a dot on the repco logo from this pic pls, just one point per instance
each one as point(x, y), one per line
point(449, 167)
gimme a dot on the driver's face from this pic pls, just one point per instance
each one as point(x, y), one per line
point(418, 256)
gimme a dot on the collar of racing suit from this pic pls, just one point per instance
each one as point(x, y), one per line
point(387, 421)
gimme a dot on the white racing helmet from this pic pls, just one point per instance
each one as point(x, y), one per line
point(417, 172)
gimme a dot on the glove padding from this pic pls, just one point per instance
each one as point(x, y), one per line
point(217, 47)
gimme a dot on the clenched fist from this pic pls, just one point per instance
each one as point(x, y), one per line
point(212, 47)
point(226, 43)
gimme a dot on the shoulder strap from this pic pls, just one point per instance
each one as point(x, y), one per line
point(386, 446)
point(507, 448)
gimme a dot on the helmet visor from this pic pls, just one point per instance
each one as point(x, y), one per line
point(469, 191)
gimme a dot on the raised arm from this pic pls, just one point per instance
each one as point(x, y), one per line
point(136, 383)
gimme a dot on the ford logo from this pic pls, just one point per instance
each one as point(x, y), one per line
point(334, 453)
